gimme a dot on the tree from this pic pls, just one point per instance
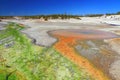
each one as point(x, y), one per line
point(118, 12)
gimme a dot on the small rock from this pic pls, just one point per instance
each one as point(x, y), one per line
point(8, 45)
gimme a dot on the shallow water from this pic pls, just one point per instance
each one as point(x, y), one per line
point(85, 34)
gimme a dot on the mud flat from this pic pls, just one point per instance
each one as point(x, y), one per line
point(89, 49)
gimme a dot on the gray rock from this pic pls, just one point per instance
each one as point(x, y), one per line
point(8, 45)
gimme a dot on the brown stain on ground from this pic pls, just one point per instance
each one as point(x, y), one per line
point(65, 45)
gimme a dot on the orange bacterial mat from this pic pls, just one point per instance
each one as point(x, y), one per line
point(67, 41)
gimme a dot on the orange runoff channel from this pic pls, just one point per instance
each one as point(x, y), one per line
point(65, 47)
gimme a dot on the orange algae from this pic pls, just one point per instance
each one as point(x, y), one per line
point(65, 45)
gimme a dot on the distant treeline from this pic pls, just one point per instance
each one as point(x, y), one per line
point(51, 17)
point(6, 17)
point(93, 15)
point(98, 15)
point(57, 16)
point(45, 17)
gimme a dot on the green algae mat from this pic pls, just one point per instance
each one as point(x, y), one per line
point(22, 60)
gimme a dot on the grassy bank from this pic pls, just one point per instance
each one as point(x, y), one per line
point(22, 60)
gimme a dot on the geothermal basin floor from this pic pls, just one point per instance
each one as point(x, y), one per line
point(67, 40)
